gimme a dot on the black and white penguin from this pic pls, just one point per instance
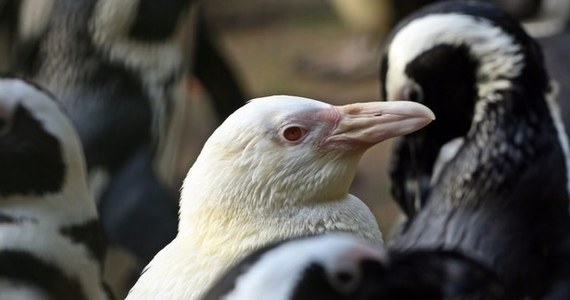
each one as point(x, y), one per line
point(279, 167)
point(119, 68)
point(51, 244)
point(500, 190)
point(548, 22)
point(338, 266)
point(414, 186)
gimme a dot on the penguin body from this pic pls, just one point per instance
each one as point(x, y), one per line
point(545, 21)
point(51, 244)
point(279, 167)
point(118, 69)
point(503, 195)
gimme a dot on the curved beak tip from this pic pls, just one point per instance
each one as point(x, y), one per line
point(412, 109)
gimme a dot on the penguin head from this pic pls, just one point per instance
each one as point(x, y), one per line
point(340, 266)
point(313, 149)
point(329, 266)
point(458, 58)
point(40, 152)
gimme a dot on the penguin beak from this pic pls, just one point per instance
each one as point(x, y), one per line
point(362, 125)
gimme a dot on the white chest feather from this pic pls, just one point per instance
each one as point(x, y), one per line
point(186, 268)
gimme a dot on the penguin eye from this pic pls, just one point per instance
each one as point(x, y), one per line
point(413, 92)
point(294, 133)
point(345, 281)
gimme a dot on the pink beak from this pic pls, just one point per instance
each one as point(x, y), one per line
point(362, 125)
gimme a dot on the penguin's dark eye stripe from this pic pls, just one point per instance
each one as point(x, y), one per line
point(88, 234)
point(30, 157)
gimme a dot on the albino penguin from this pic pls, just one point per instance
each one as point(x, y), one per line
point(279, 167)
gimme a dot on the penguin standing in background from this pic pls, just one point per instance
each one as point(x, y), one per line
point(545, 20)
point(125, 67)
point(51, 244)
point(118, 74)
point(501, 192)
point(338, 266)
point(119, 69)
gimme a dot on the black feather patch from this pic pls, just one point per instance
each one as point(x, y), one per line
point(447, 76)
point(31, 162)
point(22, 266)
point(90, 235)
point(432, 274)
point(227, 283)
point(314, 284)
point(157, 20)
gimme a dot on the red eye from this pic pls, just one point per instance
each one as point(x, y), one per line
point(294, 133)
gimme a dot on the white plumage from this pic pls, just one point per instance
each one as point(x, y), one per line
point(277, 168)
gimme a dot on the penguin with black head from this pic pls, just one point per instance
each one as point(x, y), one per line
point(51, 244)
point(490, 176)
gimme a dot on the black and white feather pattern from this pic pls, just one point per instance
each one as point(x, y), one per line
point(340, 267)
point(503, 195)
point(51, 245)
point(118, 68)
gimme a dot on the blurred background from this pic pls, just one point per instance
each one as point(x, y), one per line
point(303, 48)
point(323, 49)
